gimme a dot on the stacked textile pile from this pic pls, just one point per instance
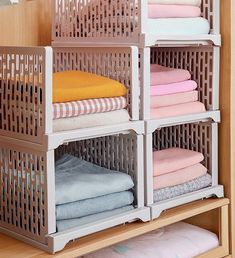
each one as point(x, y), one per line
point(176, 17)
point(86, 192)
point(173, 93)
point(82, 100)
point(178, 171)
point(177, 240)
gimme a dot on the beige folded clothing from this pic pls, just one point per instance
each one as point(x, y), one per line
point(178, 110)
point(91, 120)
point(174, 99)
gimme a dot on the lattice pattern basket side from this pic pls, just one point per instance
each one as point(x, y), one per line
point(202, 62)
point(120, 64)
point(122, 152)
point(200, 137)
point(25, 91)
point(26, 192)
point(110, 21)
point(95, 20)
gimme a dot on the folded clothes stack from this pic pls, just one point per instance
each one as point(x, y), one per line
point(179, 240)
point(82, 100)
point(176, 17)
point(178, 171)
point(86, 192)
point(173, 93)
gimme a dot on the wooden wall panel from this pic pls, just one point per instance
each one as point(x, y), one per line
point(227, 176)
point(25, 24)
point(232, 114)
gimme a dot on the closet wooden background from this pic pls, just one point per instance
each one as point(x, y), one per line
point(29, 23)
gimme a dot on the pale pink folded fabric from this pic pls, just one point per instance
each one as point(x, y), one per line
point(166, 75)
point(174, 99)
point(179, 177)
point(165, 89)
point(177, 110)
point(178, 240)
point(156, 11)
point(172, 159)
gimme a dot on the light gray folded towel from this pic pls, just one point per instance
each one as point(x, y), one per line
point(77, 179)
point(188, 187)
point(71, 223)
point(94, 205)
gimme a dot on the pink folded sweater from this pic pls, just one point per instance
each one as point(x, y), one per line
point(166, 75)
point(165, 89)
point(177, 110)
point(156, 11)
point(174, 99)
point(179, 177)
point(172, 159)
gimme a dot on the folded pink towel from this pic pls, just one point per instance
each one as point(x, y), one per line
point(164, 89)
point(180, 240)
point(179, 177)
point(174, 99)
point(166, 75)
point(178, 110)
point(173, 11)
point(172, 159)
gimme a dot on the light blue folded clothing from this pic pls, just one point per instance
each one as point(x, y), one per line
point(71, 223)
point(94, 205)
point(188, 187)
point(77, 179)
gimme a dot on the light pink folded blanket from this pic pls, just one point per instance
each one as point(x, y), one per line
point(177, 240)
point(166, 75)
point(174, 99)
point(172, 159)
point(165, 89)
point(173, 11)
point(179, 177)
point(177, 110)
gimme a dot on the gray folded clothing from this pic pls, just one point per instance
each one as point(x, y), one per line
point(188, 187)
point(71, 223)
point(94, 205)
point(77, 179)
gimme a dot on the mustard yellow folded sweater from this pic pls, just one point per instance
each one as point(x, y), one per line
point(77, 85)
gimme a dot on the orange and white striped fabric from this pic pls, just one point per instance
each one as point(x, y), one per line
point(85, 107)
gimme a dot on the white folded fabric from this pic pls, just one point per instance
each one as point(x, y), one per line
point(178, 26)
point(177, 2)
point(92, 120)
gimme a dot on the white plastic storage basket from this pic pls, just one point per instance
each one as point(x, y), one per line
point(120, 22)
point(26, 110)
point(203, 64)
point(27, 187)
point(200, 137)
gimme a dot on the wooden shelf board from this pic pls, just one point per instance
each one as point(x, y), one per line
point(111, 236)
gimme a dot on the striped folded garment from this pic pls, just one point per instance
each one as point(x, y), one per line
point(86, 107)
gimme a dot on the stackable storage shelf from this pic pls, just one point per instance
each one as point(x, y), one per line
point(28, 146)
point(26, 89)
point(27, 187)
point(201, 137)
point(94, 36)
point(203, 64)
point(122, 22)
